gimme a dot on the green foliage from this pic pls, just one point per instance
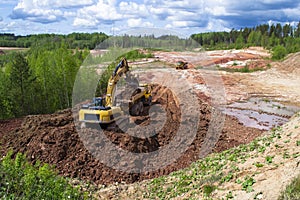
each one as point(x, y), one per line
point(292, 191)
point(244, 69)
point(264, 35)
point(6, 58)
point(137, 54)
point(227, 178)
point(258, 164)
point(40, 80)
point(229, 195)
point(164, 42)
point(6, 101)
point(269, 159)
point(21, 81)
point(279, 52)
point(239, 44)
point(248, 183)
point(74, 40)
point(21, 180)
point(200, 178)
point(208, 189)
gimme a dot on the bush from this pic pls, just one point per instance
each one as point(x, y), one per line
point(292, 191)
point(137, 54)
point(279, 52)
point(21, 180)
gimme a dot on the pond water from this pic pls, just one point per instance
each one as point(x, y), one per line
point(261, 113)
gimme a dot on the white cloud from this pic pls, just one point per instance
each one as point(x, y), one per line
point(45, 11)
point(8, 1)
point(68, 14)
point(182, 15)
point(148, 24)
point(14, 26)
point(49, 4)
point(292, 13)
point(196, 15)
point(102, 13)
point(132, 8)
point(180, 24)
point(217, 25)
point(133, 23)
point(138, 23)
point(218, 11)
point(85, 22)
point(159, 13)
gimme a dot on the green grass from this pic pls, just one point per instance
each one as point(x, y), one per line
point(137, 54)
point(205, 176)
point(208, 189)
point(244, 69)
point(292, 191)
point(248, 183)
point(21, 180)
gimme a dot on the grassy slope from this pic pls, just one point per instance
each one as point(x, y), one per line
point(259, 170)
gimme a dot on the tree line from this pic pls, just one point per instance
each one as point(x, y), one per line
point(39, 80)
point(265, 35)
point(73, 40)
point(97, 40)
point(166, 42)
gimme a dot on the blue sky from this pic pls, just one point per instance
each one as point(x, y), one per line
point(24, 17)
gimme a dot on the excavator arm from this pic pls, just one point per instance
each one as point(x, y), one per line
point(121, 69)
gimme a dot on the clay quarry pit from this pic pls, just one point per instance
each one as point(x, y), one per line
point(255, 102)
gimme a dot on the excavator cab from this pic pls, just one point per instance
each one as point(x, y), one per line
point(97, 104)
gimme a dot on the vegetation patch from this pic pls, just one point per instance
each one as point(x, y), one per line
point(292, 191)
point(21, 180)
point(206, 177)
point(244, 69)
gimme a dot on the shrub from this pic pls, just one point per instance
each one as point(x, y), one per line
point(279, 52)
point(21, 180)
point(292, 191)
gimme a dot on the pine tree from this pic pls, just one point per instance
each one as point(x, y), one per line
point(21, 78)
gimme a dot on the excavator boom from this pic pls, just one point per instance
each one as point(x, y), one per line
point(121, 69)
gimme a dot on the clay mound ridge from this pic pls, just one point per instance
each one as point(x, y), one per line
point(291, 64)
point(53, 139)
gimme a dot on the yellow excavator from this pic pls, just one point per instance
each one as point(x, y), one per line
point(181, 65)
point(104, 111)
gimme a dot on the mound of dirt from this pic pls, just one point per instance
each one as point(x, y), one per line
point(54, 139)
point(9, 125)
point(290, 64)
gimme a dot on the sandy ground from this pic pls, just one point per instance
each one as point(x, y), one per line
point(281, 81)
point(273, 178)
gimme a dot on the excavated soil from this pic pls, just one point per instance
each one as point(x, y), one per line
point(7, 126)
point(54, 139)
